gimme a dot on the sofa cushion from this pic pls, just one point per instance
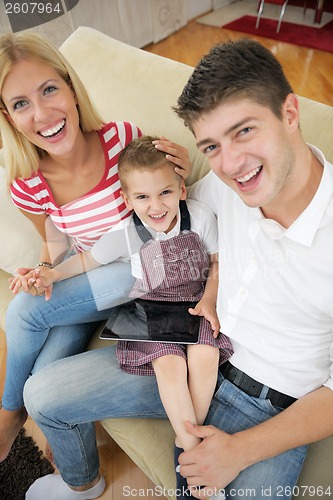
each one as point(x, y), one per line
point(142, 87)
point(316, 121)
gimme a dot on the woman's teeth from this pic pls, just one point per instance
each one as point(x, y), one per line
point(54, 130)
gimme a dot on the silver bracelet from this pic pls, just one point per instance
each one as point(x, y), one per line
point(45, 264)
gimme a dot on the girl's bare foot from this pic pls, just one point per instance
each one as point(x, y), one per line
point(11, 422)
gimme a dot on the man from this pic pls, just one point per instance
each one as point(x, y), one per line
point(272, 194)
point(274, 208)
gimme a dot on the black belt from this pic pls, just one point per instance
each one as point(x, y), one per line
point(252, 387)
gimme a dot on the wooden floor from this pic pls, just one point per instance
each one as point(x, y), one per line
point(311, 75)
point(120, 473)
point(309, 71)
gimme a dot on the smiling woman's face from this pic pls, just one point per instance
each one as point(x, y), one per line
point(42, 106)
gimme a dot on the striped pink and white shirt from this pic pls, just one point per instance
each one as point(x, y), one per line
point(85, 219)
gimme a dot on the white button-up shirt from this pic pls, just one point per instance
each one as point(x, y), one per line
point(275, 297)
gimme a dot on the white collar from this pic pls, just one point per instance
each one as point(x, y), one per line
point(304, 228)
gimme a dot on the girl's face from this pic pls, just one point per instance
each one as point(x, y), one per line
point(154, 196)
point(42, 106)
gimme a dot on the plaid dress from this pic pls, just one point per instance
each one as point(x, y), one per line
point(172, 270)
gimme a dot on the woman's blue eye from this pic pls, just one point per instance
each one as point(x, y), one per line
point(19, 104)
point(49, 89)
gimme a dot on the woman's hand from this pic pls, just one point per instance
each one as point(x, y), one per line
point(176, 154)
point(44, 281)
point(24, 279)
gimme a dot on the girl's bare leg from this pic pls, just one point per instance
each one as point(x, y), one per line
point(171, 375)
point(11, 422)
point(202, 364)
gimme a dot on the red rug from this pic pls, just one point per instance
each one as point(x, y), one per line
point(311, 4)
point(306, 36)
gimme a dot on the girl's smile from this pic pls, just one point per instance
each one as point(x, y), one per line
point(154, 196)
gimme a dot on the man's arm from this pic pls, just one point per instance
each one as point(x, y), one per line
point(220, 457)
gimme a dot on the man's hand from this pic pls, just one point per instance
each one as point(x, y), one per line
point(177, 154)
point(213, 463)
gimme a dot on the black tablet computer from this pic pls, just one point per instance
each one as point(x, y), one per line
point(153, 321)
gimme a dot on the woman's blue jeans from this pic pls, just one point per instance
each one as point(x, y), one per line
point(40, 332)
point(66, 397)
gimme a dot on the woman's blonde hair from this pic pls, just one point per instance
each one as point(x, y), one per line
point(21, 156)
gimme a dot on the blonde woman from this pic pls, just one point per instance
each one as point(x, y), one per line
point(62, 174)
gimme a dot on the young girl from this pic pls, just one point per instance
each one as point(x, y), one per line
point(172, 248)
point(62, 170)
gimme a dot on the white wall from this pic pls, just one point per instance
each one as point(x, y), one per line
point(136, 22)
point(197, 7)
point(217, 4)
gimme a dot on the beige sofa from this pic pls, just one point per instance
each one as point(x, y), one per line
point(129, 84)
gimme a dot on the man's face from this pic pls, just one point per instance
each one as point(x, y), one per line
point(250, 149)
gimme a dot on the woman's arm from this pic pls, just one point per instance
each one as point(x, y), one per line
point(111, 246)
point(25, 274)
point(54, 247)
point(54, 243)
point(77, 264)
point(40, 222)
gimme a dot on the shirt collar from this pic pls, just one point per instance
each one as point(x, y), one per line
point(304, 228)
